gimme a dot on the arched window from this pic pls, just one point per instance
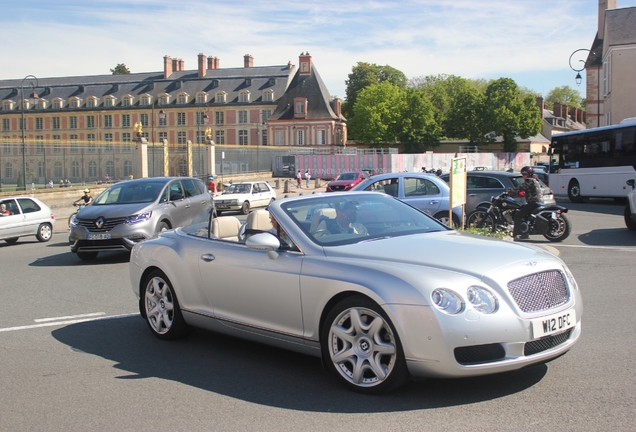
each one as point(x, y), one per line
point(219, 97)
point(182, 168)
point(8, 170)
point(110, 169)
point(57, 170)
point(268, 95)
point(181, 100)
point(75, 171)
point(92, 169)
point(127, 168)
point(244, 96)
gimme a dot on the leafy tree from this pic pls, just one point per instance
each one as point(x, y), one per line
point(377, 112)
point(465, 116)
point(365, 74)
point(120, 69)
point(565, 95)
point(419, 129)
point(509, 115)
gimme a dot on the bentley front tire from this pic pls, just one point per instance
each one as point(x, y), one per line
point(161, 308)
point(361, 346)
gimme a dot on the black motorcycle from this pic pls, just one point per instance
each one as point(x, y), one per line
point(499, 214)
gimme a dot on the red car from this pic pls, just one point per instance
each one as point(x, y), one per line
point(346, 181)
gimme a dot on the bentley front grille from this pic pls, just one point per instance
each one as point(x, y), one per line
point(540, 291)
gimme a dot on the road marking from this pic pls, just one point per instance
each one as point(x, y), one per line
point(67, 322)
point(69, 317)
point(623, 249)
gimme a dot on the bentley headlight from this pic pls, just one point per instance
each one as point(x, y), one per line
point(447, 301)
point(482, 300)
point(570, 278)
point(141, 217)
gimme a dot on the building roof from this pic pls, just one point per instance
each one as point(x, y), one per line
point(230, 80)
point(311, 87)
point(620, 26)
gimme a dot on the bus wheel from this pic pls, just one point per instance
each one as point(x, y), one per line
point(574, 192)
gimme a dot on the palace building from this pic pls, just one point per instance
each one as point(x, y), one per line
point(170, 122)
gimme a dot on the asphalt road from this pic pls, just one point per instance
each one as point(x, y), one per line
point(76, 356)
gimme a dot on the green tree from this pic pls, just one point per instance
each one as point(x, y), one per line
point(418, 129)
point(377, 114)
point(465, 116)
point(565, 95)
point(365, 74)
point(508, 114)
point(120, 69)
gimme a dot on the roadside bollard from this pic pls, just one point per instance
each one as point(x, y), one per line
point(286, 187)
point(277, 184)
point(317, 183)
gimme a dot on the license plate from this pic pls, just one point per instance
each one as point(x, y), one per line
point(554, 323)
point(99, 237)
point(222, 206)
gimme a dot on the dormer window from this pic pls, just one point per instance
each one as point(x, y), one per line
point(201, 98)
point(272, 81)
point(181, 99)
point(126, 101)
point(57, 103)
point(109, 101)
point(220, 97)
point(164, 99)
point(300, 107)
point(215, 83)
point(268, 95)
point(248, 81)
point(74, 103)
point(42, 104)
point(91, 102)
point(145, 100)
point(7, 105)
point(244, 96)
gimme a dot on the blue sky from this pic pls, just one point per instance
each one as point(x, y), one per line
point(528, 41)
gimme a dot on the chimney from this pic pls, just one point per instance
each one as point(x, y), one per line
point(210, 62)
point(289, 65)
point(304, 60)
point(181, 65)
point(335, 106)
point(175, 65)
point(217, 62)
point(573, 112)
point(248, 61)
point(202, 69)
point(167, 66)
point(557, 110)
point(539, 103)
point(603, 5)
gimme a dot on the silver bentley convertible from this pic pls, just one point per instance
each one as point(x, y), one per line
point(381, 291)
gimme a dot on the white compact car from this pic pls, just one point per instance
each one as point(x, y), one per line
point(244, 196)
point(25, 216)
point(376, 288)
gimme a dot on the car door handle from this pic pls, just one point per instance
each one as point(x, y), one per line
point(433, 202)
point(187, 206)
point(207, 257)
point(472, 194)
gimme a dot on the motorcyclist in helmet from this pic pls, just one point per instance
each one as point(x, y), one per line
point(86, 198)
point(533, 195)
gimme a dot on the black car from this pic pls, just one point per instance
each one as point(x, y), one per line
point(482, 185)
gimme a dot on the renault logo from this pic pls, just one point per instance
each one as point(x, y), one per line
point(99, 223)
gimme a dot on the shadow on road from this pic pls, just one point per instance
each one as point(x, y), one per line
point(609, 237)
point(267, 375)
point(601, 206)
point(70, 259)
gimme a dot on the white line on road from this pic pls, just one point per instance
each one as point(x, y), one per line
point(614, 248)
point(69, 317)
point(62, 323)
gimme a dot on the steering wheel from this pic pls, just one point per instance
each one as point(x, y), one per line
point(320, 233)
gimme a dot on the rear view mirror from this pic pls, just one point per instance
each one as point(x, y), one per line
point(176, 197)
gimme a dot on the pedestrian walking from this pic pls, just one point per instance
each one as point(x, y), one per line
point(307, 177)
point(299, 180)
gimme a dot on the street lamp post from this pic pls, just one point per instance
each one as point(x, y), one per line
point(579, 78)
point(202, 117)
point(32, 96)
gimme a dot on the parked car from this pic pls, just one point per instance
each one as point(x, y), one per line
point(133, 211)
point(380, 291)
point(244, 196)
point(346, 181)
point(426, 192)
point(24, 216)
point(483, 185)
point(630, 208)
point(541, 171)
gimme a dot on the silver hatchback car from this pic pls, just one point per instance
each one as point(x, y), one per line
point(132, 211)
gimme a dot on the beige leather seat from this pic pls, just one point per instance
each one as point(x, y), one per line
point(319, 215)
point(226, 227)
point(259, 220)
